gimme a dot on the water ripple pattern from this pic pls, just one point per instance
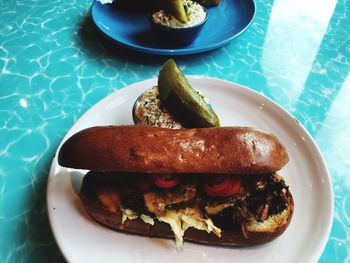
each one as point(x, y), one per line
point(54, 66)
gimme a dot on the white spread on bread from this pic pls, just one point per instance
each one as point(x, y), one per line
point(149, 111)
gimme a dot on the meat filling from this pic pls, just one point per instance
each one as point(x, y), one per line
point(260, 196)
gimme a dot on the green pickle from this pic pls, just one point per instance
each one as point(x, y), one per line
point(183, 101)
point(177, 9)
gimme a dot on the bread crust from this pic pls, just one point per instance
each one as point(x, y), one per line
point(136, 226)
point(138, 148)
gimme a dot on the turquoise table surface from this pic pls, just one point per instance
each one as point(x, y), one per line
point(54, 66)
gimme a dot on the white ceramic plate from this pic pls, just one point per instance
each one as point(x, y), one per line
point(83, 240)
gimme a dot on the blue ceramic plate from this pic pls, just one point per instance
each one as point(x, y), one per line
point(132, 30)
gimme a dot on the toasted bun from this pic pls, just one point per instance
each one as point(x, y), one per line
point(257, 232)
point(234, 150)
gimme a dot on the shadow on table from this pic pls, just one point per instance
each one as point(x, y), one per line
point(97, 45)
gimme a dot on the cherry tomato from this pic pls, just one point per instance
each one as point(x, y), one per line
point(142, 183)
point(165, 180)
point(221, 185)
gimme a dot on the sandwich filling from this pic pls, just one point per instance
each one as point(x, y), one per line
point(208, 203)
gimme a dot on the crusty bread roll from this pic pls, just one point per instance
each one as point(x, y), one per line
point(233, 150)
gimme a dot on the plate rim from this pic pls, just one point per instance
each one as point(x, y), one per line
point(171, 51)
point(126, 89)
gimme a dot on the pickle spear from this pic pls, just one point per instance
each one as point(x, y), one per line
point(183, 101)
point(176, 8)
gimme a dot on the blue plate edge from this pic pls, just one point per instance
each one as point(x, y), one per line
point(173, 52)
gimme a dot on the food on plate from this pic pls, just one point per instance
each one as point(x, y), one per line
point(175, 90)
point(148, 110)
point(173, 22)
point(216, 186)
point(174, 103)
point(180, 24)
point(180, 14)
point(177, 10)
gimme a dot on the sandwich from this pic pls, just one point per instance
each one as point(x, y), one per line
point(216, 186)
